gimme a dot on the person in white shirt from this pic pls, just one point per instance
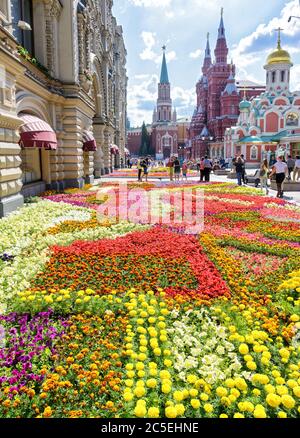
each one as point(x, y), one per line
point(296, 174)
point(280, 170)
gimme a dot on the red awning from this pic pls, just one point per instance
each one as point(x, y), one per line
point(114, 149)
point(36, 133)
point(89, 143)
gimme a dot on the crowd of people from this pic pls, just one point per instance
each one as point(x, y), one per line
point(281, 170)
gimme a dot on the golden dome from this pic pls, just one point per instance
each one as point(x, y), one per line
point(279, 56)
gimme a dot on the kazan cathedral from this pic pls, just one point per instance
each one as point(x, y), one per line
point(268, 125)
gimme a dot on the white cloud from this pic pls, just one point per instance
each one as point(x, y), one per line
point(151, 3)
point(196, 54)
point(149, 40)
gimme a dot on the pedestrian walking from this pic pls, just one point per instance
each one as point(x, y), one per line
point(145, 169)
point(140, 168)
point(177, 169)
point(171, 168)
point(207, 168)
point(201, 169)
point(280, 170)
point(290, 164)
point(184, 170)
point(296, 173)
point(239, 170)
point(263, 176)
point(244, 169)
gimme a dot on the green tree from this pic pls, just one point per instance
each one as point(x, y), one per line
point(145, 141)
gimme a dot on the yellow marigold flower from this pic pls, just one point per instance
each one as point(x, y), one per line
point(223, 416)
point(171, 412)
point(259, 412)
point(178, 396)
point(288, 401)
point(128, 396)
point(281, 390)
point(139, 391)
point(270, 389)
point(204, 397)
point(191, 378)
point(256, 392)
point(153, 372)
point(166, 389)
point(238, 415)
point(291, 383)
point(284, 353)
point(241, 384)
point(47, 412)
point(153, 412)
point(221, 392)
point(193, 392)
point(282, 414)
point(141, 373)
point(275, 373)
point(151, 383)
point(243, 349)
point(195, 403)
point(251, 365)
point(167, 362)
point(296, 391)
point(180, 409)
point(229, 383)
point(294, 318)
point(273, 400)
point(140, 366)
point(164, 374)
point(140, 411)
point(235, 392)
point(129, 382)
point(208, 407)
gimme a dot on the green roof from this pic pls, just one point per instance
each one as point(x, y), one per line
point(251, 139)
point(164, 78)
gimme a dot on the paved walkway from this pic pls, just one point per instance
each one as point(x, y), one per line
point(293, 197)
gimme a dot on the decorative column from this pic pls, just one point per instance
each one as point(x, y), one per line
point(72, 149)
point(52, 11)
point(10, 160)
point(106, 150)
point(98, 129)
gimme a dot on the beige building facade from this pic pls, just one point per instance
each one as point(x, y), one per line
point(62, 96)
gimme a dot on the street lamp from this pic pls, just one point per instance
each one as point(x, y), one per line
point(23, 25)
point(293, 16)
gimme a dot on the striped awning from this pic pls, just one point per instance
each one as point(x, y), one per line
point(89, 143)
point(35, 132)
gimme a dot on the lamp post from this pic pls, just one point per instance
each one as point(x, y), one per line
point(206, 139)
point(293, 16)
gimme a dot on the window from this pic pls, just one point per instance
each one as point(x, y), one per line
point(282, 75)
point(254, 153)
point(31, 165)
point(22, 10)
point(273, 76)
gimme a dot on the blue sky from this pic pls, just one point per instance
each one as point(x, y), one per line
point(182, 25)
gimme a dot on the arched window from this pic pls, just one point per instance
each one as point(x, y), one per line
point(22, 10)
point(253, 153)
point(273, 76)
point(282, 75)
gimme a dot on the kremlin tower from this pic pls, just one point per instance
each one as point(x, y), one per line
point(164, 129)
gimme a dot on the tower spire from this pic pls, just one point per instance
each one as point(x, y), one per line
point(221, 30)
point(221, 50)
point(207, 50)
point(164, 78)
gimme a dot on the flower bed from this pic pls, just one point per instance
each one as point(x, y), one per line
point(107, 319)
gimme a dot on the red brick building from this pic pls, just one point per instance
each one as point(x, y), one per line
point(218, 98)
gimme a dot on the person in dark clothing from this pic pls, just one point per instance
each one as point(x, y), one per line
point(177, 169)
point(207, 168)
point(239, 165)
point(201, 169)
point(244, 169)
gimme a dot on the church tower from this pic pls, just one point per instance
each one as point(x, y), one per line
point(221, 50)
point(164, 101)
